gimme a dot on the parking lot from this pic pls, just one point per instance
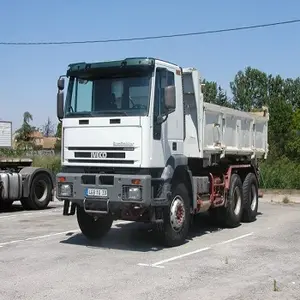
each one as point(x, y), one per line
point(44, 256)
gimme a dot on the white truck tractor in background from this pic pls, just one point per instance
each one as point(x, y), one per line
point(139, 144)
point(19, 181)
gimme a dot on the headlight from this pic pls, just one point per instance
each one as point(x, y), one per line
point(132, 193)
point(65, 190)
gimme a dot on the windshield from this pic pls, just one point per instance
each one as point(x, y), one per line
point(126, 96)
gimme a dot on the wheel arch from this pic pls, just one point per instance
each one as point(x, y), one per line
point(28, 174)
point(177, 170)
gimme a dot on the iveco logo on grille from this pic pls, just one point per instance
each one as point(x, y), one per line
point(98, 155)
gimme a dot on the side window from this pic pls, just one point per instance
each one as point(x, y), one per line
point(163, 78)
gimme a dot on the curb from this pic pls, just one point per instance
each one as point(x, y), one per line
point(284, 198)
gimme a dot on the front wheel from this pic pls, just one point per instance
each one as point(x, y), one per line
point(176, 218)
point(93, 227)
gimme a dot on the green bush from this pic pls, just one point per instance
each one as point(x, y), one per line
point(280, 174)
point(49, 162)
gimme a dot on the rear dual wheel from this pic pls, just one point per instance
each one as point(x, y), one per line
point(250, 195)
point(242, 202)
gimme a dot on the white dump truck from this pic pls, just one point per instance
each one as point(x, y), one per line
point(19, 181)
point(140, 144)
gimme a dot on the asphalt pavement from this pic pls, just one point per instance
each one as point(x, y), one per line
point(44, 256)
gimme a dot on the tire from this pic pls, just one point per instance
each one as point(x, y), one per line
point(234, 209)
point(175, 229)
point(250, 195)
point(93, 228)
point(40, 192)
point(5, 205)
point(216, 216)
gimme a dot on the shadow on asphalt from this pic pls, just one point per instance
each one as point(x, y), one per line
point(139, 236)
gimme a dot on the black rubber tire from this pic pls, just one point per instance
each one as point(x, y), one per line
point(44, 183)
point(249, 213)
point(91, 228)
point(231, 218)
point(168, 236)
point(5, 205)
point(216, 216)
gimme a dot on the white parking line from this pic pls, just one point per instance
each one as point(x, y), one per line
point(235, 239)
point(51, 234)
point(48, 212)
point(38, 237)
point(160, 263)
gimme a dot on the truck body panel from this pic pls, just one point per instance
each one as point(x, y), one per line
point(213, 129)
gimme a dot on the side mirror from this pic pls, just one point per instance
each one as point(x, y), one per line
point(170, 98)
point(60, 83)
point(60, 104)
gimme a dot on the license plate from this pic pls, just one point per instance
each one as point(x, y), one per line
point(95, 192)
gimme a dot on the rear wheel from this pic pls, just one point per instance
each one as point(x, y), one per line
point(231, 215)
point(93, 227)
point(250, 194)
point(40, 192)
point(235, 203)
point(177, 217)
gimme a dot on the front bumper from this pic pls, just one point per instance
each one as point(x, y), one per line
point(104, 191)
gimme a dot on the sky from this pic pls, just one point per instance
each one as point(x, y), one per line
point(29, 74)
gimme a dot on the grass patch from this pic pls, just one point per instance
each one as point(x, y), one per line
point(49, 162)
point(280, 174)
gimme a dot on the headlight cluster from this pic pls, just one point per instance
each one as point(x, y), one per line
point(65, 190)
point(132, 192)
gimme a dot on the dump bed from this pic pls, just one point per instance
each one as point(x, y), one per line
point(234, 132)
point(211, 128)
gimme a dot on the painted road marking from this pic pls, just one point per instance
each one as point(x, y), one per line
point(38, 237)
point(50, 235)
point(48, 212)
point(160, 263)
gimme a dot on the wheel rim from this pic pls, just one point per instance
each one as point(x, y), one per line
point(177, 213)
point(253, 197)
point(41, 191)
point(237, 200)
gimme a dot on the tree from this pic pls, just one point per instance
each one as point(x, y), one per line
point(24, 135)
point(292, 148)
point(249, 89)
point(222, 98)
point(209, 90)
point(58, 130)
point(213, 93)
point(58, 136)
point(48, 128)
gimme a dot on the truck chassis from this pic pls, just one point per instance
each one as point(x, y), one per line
point(228, 192)
point(19, 181)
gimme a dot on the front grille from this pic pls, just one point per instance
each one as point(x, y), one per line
point(100, 155)
point(108, 154)
point(101, 161)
